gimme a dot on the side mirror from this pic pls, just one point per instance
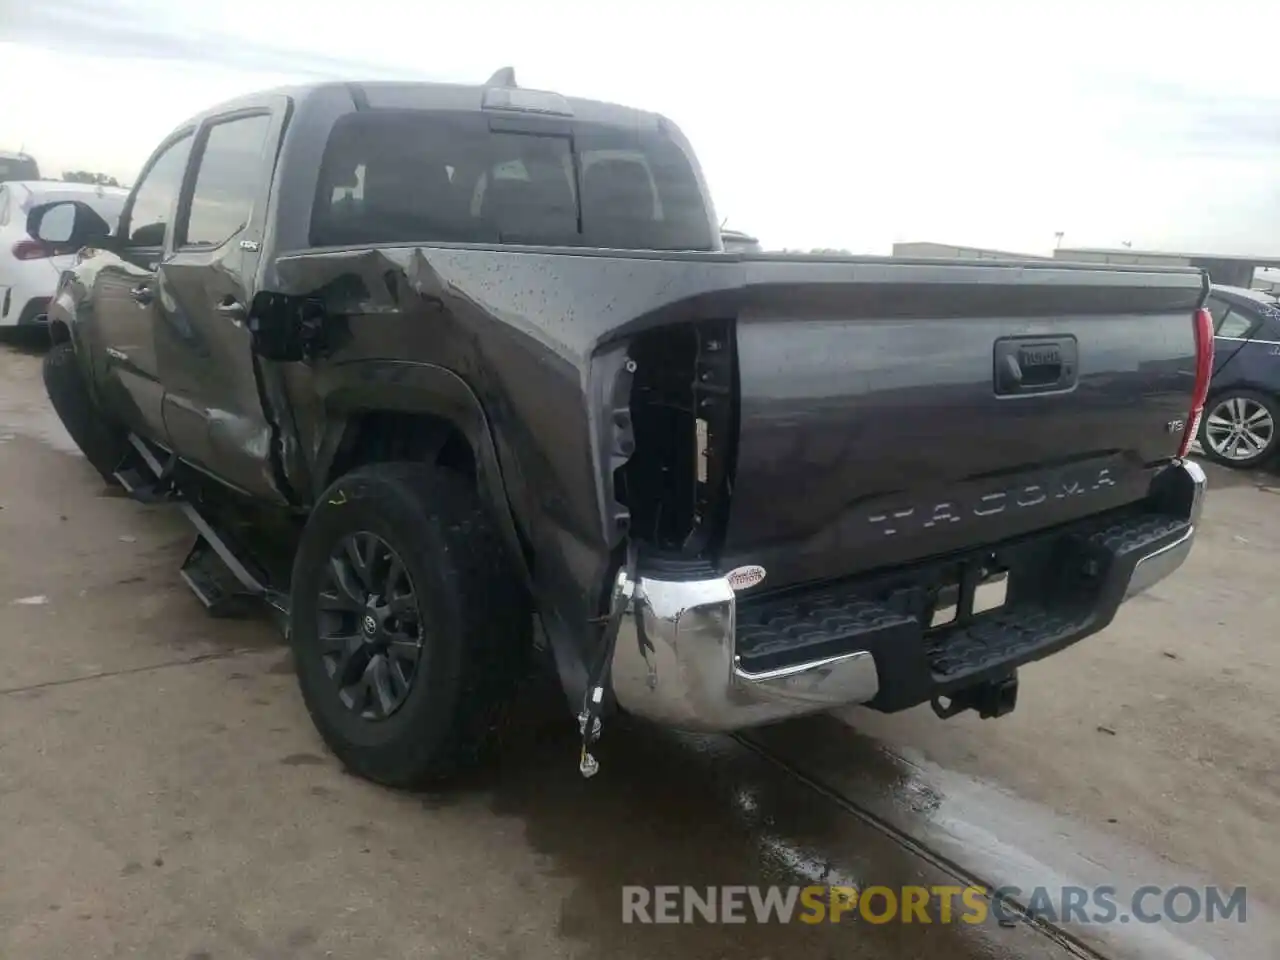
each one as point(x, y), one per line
point(67, 223)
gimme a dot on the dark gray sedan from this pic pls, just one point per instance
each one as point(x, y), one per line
point(1243, 410)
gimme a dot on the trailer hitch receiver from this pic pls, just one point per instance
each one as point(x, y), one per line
point(991, 698)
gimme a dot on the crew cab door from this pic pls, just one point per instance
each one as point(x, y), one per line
point(125, 294)
point(212, 406)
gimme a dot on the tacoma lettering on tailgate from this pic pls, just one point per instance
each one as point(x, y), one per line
point(1023, 496)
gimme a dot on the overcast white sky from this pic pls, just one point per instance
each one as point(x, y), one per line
point(845, 124)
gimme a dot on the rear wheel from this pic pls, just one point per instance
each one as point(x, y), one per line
point(103, 443)
point(1239, 428)
point(409, 629)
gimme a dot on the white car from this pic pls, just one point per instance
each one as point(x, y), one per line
point(29, 269)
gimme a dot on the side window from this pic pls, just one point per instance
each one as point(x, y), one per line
point(227, 181)
point(1234, 324)
point(4, 206)
point(153, 200)
point(1218, 310)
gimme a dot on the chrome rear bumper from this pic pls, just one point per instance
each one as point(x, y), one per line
point(691, 679)
point(684, 671)
point(1157, 565)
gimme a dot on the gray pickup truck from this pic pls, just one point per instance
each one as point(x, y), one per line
point(452, 375)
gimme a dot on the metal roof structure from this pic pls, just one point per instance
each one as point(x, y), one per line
point(1067, 253)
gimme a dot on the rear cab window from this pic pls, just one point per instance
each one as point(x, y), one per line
point(402, 176)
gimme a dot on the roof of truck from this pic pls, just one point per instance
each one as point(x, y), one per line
point(430, 95)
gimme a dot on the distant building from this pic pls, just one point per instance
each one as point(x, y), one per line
point(1268, 281)
point(946, 251)
point(1230, 271)
point(735, 241)
point(1227, 270)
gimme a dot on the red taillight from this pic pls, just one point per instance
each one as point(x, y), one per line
point(32, 250)
point(1204, 372)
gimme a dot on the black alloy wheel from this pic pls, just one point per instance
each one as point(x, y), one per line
point(371, 631)
point(411, 629)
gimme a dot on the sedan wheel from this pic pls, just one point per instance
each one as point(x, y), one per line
point(1240, 429)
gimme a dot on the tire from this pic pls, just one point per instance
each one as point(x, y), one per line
point(1225, 413)
point(103, 443)
point(474, 624)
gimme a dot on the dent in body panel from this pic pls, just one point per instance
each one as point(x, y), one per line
point(520, 330)
point(837, 361)
point(216, 412)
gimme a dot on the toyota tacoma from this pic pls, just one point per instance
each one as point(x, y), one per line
point(451, 376)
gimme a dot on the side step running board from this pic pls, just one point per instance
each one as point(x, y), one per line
point(142, 482)
point(222, 579)
point(213, 583)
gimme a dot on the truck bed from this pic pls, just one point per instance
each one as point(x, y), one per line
point(865, 413)
point(892, 411)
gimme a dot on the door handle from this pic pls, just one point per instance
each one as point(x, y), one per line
point(142, 294)
point(233, 310)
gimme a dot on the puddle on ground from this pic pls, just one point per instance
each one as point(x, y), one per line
point(1008, 841)
point(699, 811)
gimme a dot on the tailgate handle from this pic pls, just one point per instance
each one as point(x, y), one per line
point(1030, 365)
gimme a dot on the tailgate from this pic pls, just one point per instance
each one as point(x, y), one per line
point(892, 411)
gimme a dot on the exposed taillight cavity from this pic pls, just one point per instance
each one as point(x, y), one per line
point(682, 419)
point(1204, 372)
point(32, 250)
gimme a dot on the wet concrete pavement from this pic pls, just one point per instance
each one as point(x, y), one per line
point(188, 812)
point(164, 794)
point(999, 839)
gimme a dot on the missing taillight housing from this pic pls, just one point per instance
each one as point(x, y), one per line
point(1203, 323)
point(682, 415)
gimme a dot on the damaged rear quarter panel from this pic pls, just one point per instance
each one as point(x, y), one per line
point(520, 326)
